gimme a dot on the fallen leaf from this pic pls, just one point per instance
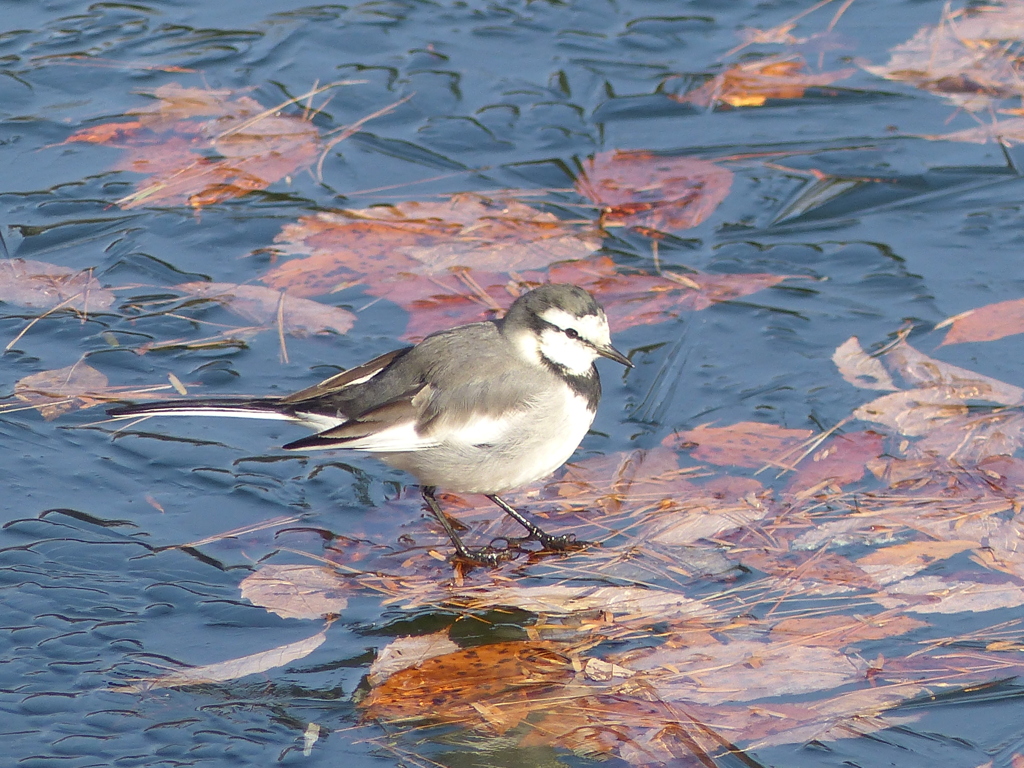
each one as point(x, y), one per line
point(959, 58)
point(424, 238)
point(295, 591)
point(840, 631)
point(298, 316)
point(746, 444)
point(640, 189)
point(501, 683)
point(744, 671)
point(932, 594)
point(859, 368)
point(841, 460)
point(38, 285)
point(988, 323)
point(405, 652)
point(199, 146)
point(230, 670)
point(623, 603)
point(751, 84)
point(888, 565)
point(56, 392)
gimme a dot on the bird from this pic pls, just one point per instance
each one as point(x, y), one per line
point(481, 408)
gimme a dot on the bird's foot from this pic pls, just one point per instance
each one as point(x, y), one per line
point(485, 557)
point(548, 543)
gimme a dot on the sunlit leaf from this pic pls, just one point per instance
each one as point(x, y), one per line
point(266, 306)
point(405, 652)
point(900, 561)
point(200, 146)
point(424, 238)
point(295, 591)
point(640, 189)
point(753, 83)
point(988, 323)
point(233, 669)
point(39, 285)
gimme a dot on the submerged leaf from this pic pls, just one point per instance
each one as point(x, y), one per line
point(266, 306)
point(39, 285)
point(429, 239)
point(747, 444)
point(295, 591)
point(640, 189)
point(405, 652)
point(56, 392)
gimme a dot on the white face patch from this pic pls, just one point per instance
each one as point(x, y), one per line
point(575, 355)
point(593, 328)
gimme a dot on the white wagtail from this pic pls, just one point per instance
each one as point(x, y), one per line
point(480, 408)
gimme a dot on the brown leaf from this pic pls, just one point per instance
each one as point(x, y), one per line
point(38, 285)
point(200, 147)
point(747, 444)
point(429, 238)
point(640, 189)
point(264, 306)
point(56, 392)
point(501, 682)
point(296, 591)
point(405, 652)
point(988, 323)
point(751, 84)
point(233, 669)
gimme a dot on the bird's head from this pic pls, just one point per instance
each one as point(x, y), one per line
point(561, 325)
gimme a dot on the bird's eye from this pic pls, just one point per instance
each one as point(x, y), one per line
point(572, 333)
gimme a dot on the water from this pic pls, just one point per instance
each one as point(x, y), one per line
point(502, 96)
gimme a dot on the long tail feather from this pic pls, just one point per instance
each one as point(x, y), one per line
point(238, 407)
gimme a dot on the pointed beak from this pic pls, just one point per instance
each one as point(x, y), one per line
point(613, 354)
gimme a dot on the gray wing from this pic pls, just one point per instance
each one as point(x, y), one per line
point(460, 385)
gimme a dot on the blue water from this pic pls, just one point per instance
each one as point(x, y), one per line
point(506, 95)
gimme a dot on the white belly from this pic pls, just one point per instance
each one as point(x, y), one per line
point(538, 442)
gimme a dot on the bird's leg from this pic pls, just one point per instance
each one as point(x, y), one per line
point(557, 543)
point(485, 556)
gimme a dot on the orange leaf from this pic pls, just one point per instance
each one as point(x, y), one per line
point(640, 189)
point(202, 146)
point(841, 460)
point(753, 83)
point(57, 392)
